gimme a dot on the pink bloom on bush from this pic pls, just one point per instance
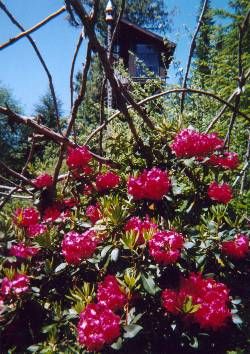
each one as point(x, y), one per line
point(170, 301)
point(165, 247)
point(44, 180)
point(229, 160)
point(107, 181)
point(93, 213)
point(23, 251)
point(221, 193)
point(51, 214)
point(209, 301)
point(70, 202)
point(87, 189)
point(36, 230)
point(26, 217)
point(76, 247)
point(19, 284)
point(110, 295)
point(78, 157)
point(140, 226)
point(190, 143)
point(151, 184)
point(237, 248)
point(98, 326)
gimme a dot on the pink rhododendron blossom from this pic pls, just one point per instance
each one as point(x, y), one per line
point(78, 157)
point(209, 301)
point(36, 230)
point(23, 251)
point(165, 246)
point(109, 293)
point(98, 326)
point(221, 193)
point(237, 248)
point(151, 184)
point(77, 247)
point(44, 180)
point(190, 143)
point(227, 161)
point(51, 214)
point(106, 181)
point(26, 217)
point(140, 226)
point(93, 213)
point(17, 285)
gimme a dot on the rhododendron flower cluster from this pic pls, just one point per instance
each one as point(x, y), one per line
point(23, 251)
point(237, 248)
point(229, 160)
point(140, 226)
point(26, 217)
point(44, 180)
point(51, 214)
point(36, 230)
point(109, 293)
point(165, 246)
point(17, 285)
point(78, 157)
point(190, 143)
point(151, 184)
point(209, 301)
point(77, 247)
point(98, 326)
point(106, 181)
point(93, 212)
point(221, 193)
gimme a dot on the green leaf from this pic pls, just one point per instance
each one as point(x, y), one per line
point(132, 330)
point(61, 267)
point(117, 345)
point(236, 319)
point(114, 254)
point(149, 284)
point(105, 250)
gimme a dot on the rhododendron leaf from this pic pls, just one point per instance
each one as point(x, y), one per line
point(149, 284)
point(132, 330)
point(236, 319)
point(105, 250)
point(61, 267)
point(114, 254)
point(117, 345)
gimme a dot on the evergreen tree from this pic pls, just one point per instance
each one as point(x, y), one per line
point(13, 137)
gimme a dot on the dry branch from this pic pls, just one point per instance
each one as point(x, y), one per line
point(40, 57)
point(32, 29)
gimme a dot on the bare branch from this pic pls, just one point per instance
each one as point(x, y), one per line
point(73, 68)
point(32, 29)
point(191, 52)
point(51, 85)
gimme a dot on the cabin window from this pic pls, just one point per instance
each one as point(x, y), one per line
point(149, 56)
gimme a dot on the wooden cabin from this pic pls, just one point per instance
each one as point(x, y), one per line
point(136, 45)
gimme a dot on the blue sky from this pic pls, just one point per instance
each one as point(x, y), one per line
point(21, 71)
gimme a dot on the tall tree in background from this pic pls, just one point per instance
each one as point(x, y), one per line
point(204, 44)
point(13, 137)
point(45, 107)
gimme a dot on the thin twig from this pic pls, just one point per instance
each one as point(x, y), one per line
point(247, 158)
point(32, 29)
point(191, 52)
point(51, 85)
point(80, 39)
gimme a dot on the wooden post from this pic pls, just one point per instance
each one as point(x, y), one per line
point(109, 20)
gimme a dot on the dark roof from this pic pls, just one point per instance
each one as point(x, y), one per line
point(147, 33)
